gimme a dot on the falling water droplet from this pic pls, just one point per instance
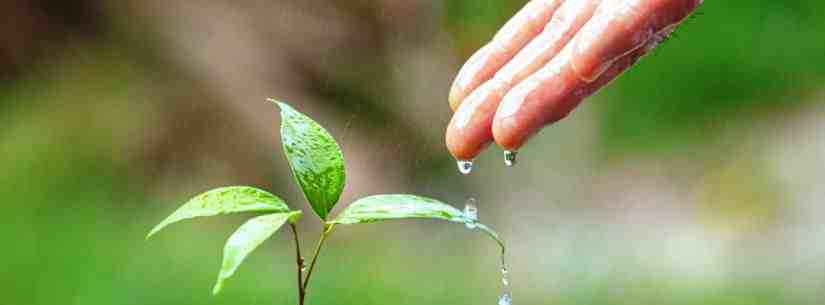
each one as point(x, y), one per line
point(471, 213)
point(465, 166)
point(505, 299)
point(510, 157)
point(505, 280)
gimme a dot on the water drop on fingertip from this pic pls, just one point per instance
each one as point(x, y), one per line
point(510, 157)
point(464, 166)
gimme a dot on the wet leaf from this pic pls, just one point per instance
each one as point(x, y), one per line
point(315, 158)
point(225, 200)
point(399, 206)
point(249, 236)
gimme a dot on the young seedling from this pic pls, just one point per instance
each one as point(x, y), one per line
point(318, 167)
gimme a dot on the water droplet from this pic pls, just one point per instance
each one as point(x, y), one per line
point(465, 166)
point(505, 299)
point(505, 280)
point(471, 213)
point(510, 157)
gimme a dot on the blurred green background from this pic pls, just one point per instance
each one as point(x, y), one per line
point(696, 178)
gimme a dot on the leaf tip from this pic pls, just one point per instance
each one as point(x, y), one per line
point(217, 288)
point(283, 106)
point(154, 230)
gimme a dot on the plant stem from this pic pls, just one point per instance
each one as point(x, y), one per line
point(300, 262)
point(324, 233)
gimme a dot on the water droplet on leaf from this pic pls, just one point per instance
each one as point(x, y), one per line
point(471, 213)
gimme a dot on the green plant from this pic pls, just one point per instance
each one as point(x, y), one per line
point(318, 167)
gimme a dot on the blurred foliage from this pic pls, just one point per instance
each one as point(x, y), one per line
point(472, 23)
point(733, 59)
point(737, 199)
point(79, 179)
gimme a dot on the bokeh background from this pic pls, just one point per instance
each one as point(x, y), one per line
point(696, 178)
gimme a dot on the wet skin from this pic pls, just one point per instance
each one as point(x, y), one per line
point(544, 61)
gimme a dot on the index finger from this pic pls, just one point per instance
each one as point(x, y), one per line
point(513, 36)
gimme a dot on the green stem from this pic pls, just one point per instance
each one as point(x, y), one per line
point(324, 234)
point(300, 262)
point(492, 235)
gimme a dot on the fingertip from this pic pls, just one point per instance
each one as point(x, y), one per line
point(469, 131)
point(513, 125)
point(456, 136)
point(458, 150)
point(463, 146)
point(505, 133)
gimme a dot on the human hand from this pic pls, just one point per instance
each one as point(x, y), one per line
point(545, 60)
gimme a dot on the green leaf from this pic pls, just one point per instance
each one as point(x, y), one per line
point(315, 158)
point(225, 200)
point(249, 236)
point(385, 207)
point(398, 206)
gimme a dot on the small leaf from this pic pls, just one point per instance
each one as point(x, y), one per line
point(387, 207)
point(315, 158)
point(248, 237)
point(225, 200)
point(384, 207)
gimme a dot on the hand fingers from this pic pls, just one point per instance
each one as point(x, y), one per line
point(630, 29)
point(619, 27)
point(519, 30)
point(470, 130)
point(546, 97)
